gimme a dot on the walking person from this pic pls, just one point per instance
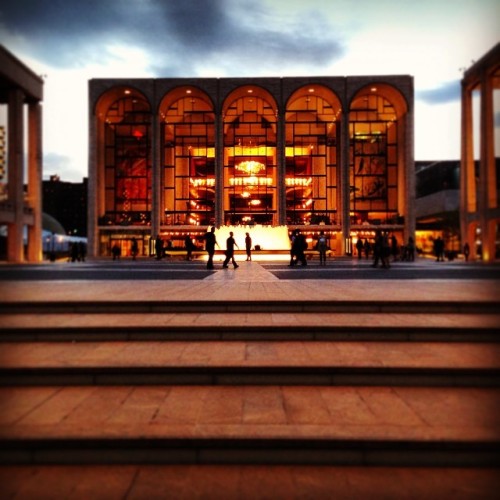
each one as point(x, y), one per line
point(134, 249)
point(386, 251)
point(230, 244)
point(75, 256)
point(466, 251)
point(248, 246)
point(293, 257)
point(210, 242)
point(322, 247)
point(188, 243)
point(394, 248)
point(367, 248)
point(116, 251)
point(377, 248)
point(359, 247)
point(82, 251)
point(439, 249)
point(159, 247)
point(299, 247)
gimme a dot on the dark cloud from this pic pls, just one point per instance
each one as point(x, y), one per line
point(179, 34)
point(448, 92)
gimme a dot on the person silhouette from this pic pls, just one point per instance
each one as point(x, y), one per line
point(322, 246)
point(466, 251)
point(210, 242)
point(230, 244)
point(134, 249)
point(248, 246)
point(159, 247)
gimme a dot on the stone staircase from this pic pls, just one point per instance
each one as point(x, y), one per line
point(322, 384)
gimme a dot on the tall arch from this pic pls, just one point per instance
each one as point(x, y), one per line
point(377, 166)
point(312, 153)
point(124, 166)
point(249, 156)
point(187, 157)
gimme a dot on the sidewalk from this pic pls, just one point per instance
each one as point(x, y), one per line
point(251, 282)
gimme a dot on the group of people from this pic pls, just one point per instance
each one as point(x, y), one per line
point(385, 249)
point(298, 249)
point(211, 243)
point(77, 251)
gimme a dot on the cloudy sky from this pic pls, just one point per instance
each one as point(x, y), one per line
point(71, 41)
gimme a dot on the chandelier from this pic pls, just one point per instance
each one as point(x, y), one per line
point(250, 167)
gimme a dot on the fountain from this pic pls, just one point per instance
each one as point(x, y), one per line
point(268, 238)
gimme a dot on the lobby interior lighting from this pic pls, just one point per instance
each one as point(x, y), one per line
point(250, 167)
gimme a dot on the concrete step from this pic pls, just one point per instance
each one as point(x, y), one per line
point(472, 327)
point(243, 363)
point(362, 426)
point(339, 376)
point(235, 305)
point(247, 482)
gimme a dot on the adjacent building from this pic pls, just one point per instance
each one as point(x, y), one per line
point(437, 205)
point(173, 156)
point(21, 91)
point(67, 202)
point(480, 180)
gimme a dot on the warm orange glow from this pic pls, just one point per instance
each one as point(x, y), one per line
point(202, 182)
point(292, 151)
point(250, 151)
point(298, 181)
point(268, 237)
point(203, 152)
point(250, 167)
point(251, 181)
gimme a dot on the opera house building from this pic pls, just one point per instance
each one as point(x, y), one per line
point(173, 156)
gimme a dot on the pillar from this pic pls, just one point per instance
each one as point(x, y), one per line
point(35, 181)
point(467, 176)
point(156, 188)
point(281, 166)
point(487, 187)
point(93, 205)
point(15, 247)
point(345, 209)
point(219, 168)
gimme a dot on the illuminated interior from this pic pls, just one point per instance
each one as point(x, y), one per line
point(374, 177)
point(250, 157)
point(127, 159)
point(311, 156)
point(180, 157)
point(188, 179)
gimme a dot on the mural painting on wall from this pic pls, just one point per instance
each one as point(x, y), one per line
point(371, 182)
point(132, 176)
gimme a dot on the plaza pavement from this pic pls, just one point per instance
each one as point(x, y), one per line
point(410, 412)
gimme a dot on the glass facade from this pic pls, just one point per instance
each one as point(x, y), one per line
point(127, 162)
point(373, 160)
point(175, 156)
point(188, 156)
point(311, 153)
point(250, 158)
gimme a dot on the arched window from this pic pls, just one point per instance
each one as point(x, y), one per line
point(311, 175)
point(376, 170)
point(250, 157)
point(188, 158)
point(127, 158)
